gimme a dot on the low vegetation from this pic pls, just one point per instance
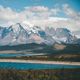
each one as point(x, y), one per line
point(62, 74)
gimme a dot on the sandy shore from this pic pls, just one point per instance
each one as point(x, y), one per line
point(40, 62)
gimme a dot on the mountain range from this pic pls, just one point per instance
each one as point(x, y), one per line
point(24, 34)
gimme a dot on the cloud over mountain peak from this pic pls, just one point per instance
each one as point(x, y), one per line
point(41, 16)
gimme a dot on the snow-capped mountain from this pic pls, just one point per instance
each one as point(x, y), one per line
point(50, 31)
point(23, 34)
point(64, 35)
point(60, 35)
point(18, 34)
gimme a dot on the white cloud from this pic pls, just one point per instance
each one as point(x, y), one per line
point(71, 13)
point(37, 9)
point(7, 13)
point(9, 16)
point(40, 12)
point(42, 16)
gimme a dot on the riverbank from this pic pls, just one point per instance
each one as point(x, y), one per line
point(40, 62)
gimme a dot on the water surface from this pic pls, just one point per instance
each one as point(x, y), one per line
point(33, 66)
point(19, 54)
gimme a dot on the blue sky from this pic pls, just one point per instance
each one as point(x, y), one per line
point(56, 13)
point(20, 4)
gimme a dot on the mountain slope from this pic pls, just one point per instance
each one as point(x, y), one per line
point(23, 34)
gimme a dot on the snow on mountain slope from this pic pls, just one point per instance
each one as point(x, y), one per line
point(60, 35)
point(64, 35)
point(50, 31)
point(17, 34)
point(24, 33)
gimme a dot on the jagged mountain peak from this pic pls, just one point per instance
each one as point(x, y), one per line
point(21, 33)
point(17, 25)
point(63, 29)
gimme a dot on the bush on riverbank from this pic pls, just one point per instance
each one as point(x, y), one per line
point(62, 74)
